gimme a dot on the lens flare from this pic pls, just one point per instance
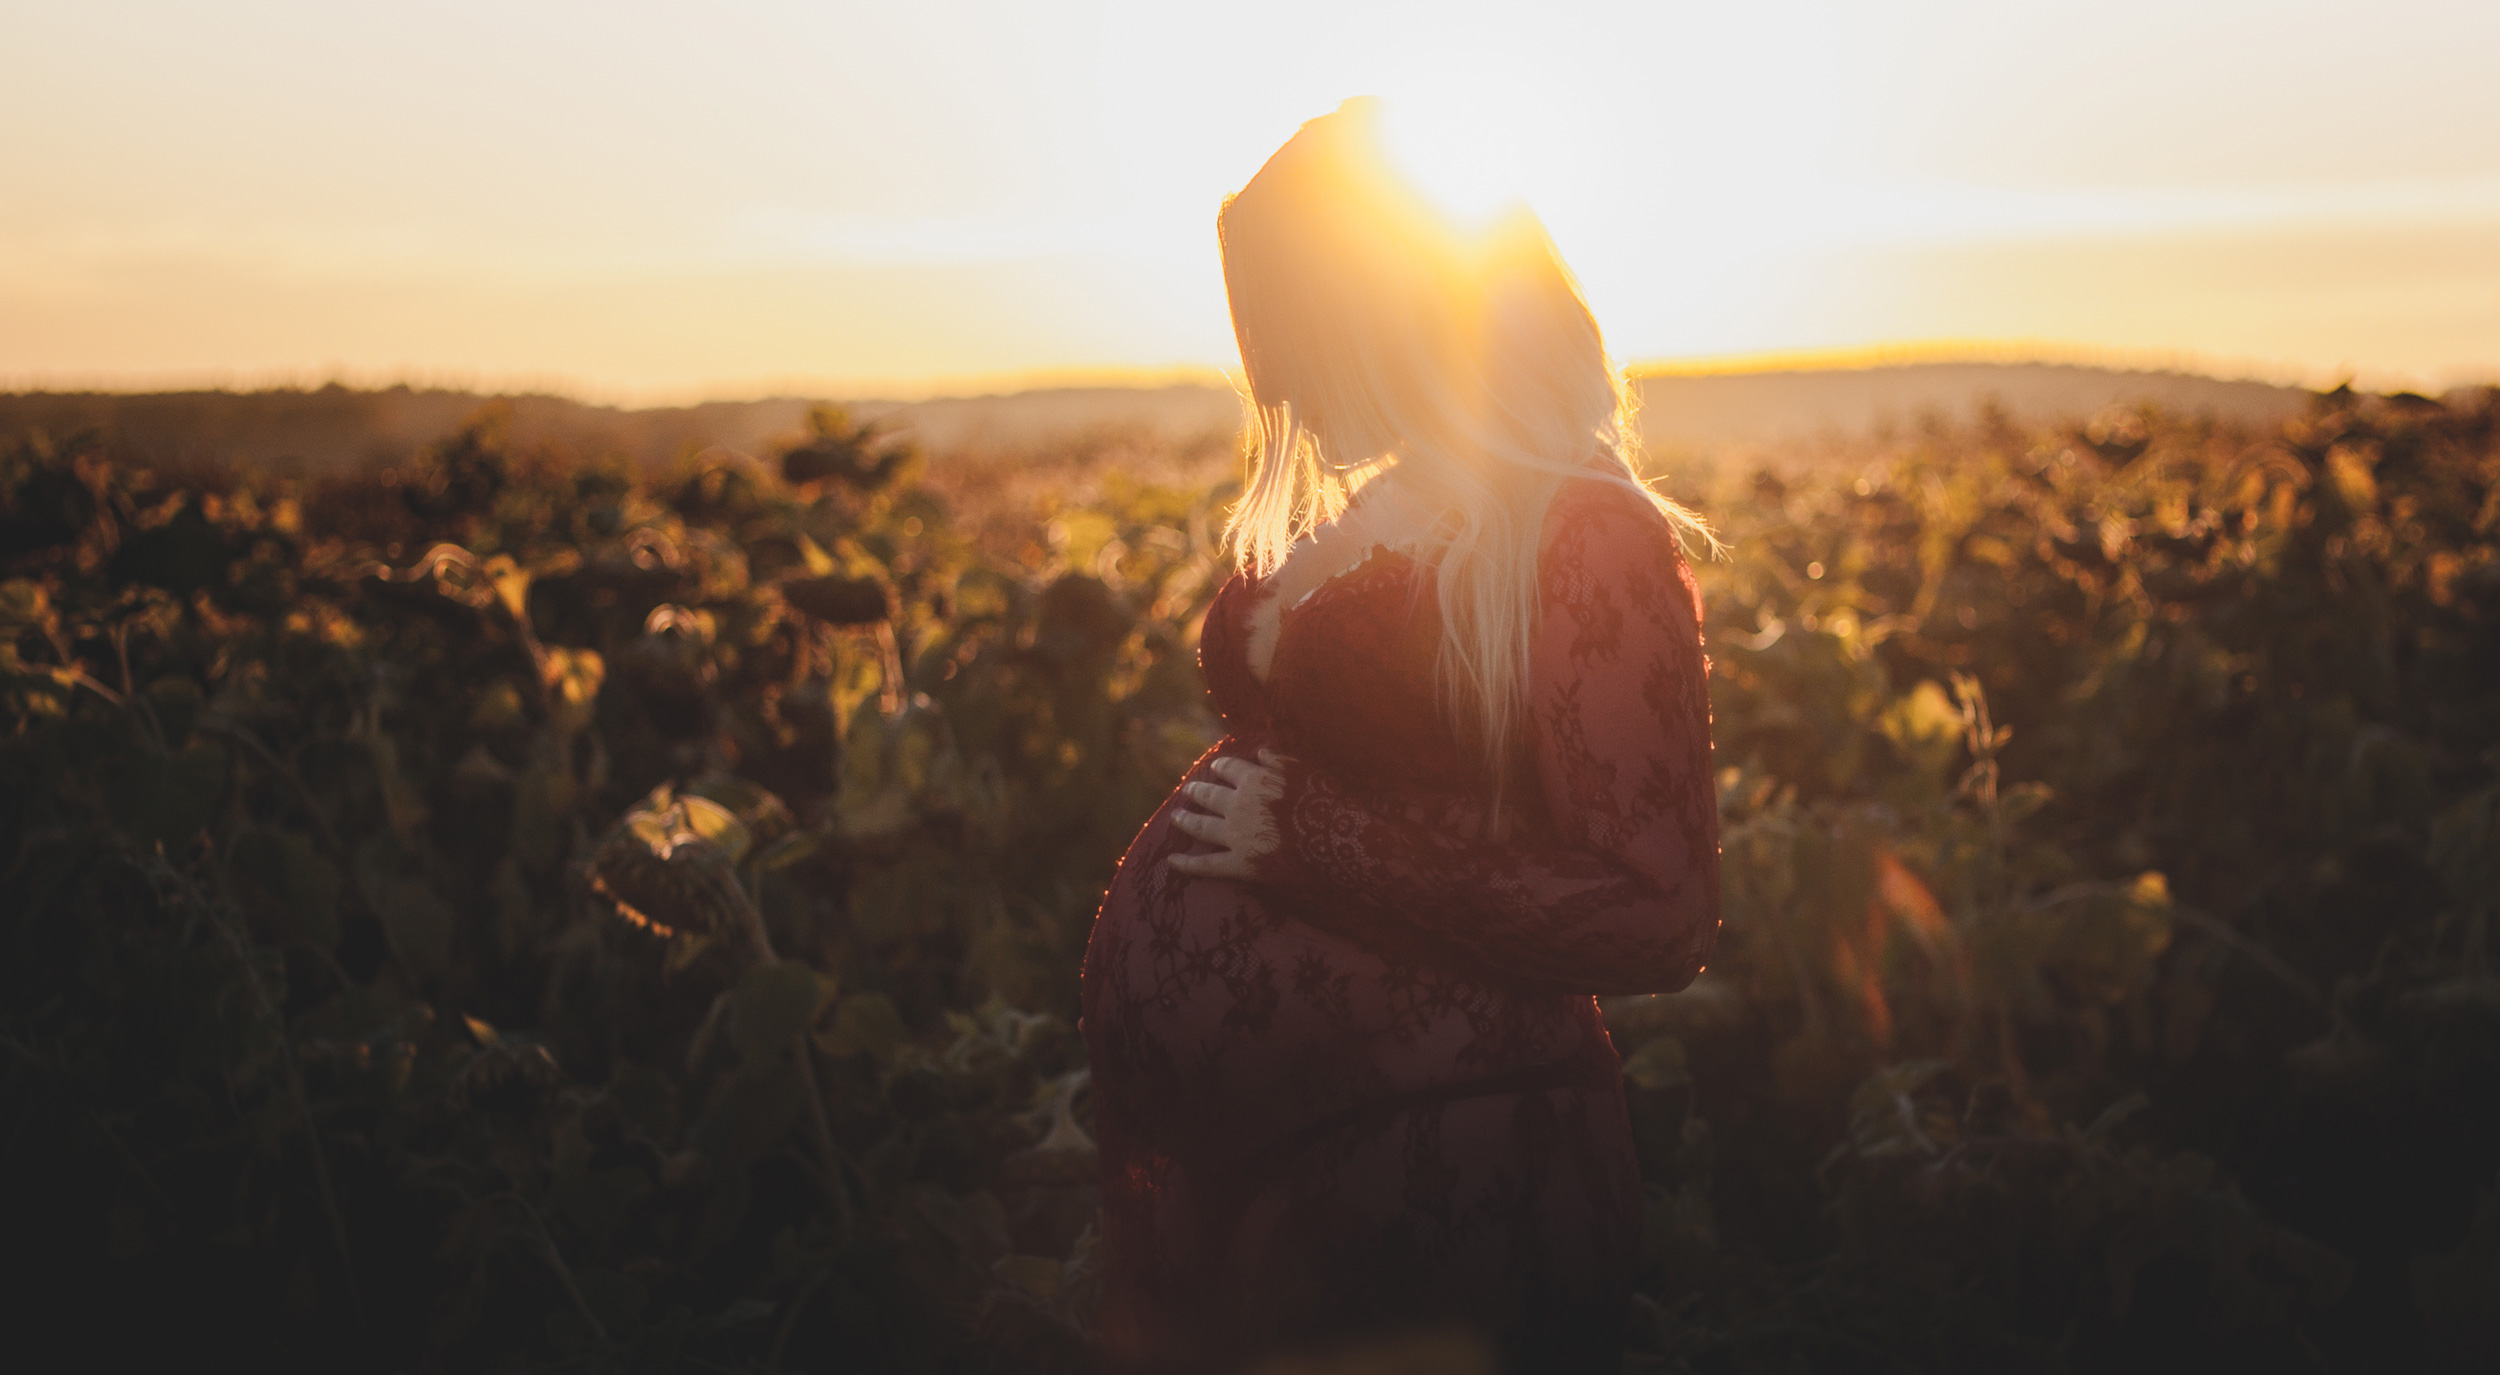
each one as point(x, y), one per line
point(1465, 159)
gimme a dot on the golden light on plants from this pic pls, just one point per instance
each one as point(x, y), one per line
point(678, 884)
point(670, 866)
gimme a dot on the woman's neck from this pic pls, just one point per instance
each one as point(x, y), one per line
point(1386, 514)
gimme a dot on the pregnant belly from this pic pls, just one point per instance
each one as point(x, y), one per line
point(1237, 1013)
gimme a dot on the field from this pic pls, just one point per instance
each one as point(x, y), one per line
point(517, 907)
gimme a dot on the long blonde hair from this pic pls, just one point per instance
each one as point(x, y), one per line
point(1375, 334)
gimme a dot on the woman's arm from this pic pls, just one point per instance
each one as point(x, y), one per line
point(1622, 896)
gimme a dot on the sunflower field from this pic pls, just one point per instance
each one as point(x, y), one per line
point(512, 911)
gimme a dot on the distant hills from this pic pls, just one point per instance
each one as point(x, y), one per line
point(1683, 415)
point(1707, 413)
point(295, 431)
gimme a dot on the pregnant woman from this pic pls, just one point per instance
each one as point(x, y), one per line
point(1350, 1077)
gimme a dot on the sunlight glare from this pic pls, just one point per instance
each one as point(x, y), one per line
point(1465, 156)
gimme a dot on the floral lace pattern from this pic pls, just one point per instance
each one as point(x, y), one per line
point(1372, 1087)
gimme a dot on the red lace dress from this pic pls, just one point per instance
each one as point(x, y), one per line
point(1371, 1089)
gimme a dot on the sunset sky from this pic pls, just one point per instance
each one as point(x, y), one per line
point(662, 201)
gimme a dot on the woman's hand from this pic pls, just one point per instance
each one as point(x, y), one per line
point(1237, 813)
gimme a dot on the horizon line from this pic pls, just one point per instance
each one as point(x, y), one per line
point(1009, 382)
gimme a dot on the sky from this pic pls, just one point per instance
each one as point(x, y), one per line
point(654, 202)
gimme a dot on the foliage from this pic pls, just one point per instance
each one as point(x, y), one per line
point(2107, 973)
point(506, 911)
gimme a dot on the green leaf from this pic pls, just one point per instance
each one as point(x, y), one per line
point(24, 605)
point(710, 821)
point(1926, 727)
point(795, 848)
point(176, 702)
point(2101, 941)
point(290, 889)
point(499, 707)
point(776, 1003)
point(573, 678)
point(756, 808)
point(615, 1299)
point(421, 927)
point(161, 799)
point(985, 594)
point(1016, 965)
point(1036, 1276)
point(864, 1024)
point(752, 1111)
point(1658, 1065)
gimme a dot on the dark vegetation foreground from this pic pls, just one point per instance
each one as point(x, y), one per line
point(502, 913)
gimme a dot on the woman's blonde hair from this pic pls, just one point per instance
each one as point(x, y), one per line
point(1375, 334)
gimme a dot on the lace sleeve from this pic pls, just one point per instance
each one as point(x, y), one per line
point(1621, 893)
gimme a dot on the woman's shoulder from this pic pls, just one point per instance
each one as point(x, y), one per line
point(1605, 509)
point(1606, 539)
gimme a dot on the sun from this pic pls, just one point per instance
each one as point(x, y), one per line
point(1471, 159)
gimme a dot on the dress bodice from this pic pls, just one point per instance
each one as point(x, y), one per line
point(1352, 683)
